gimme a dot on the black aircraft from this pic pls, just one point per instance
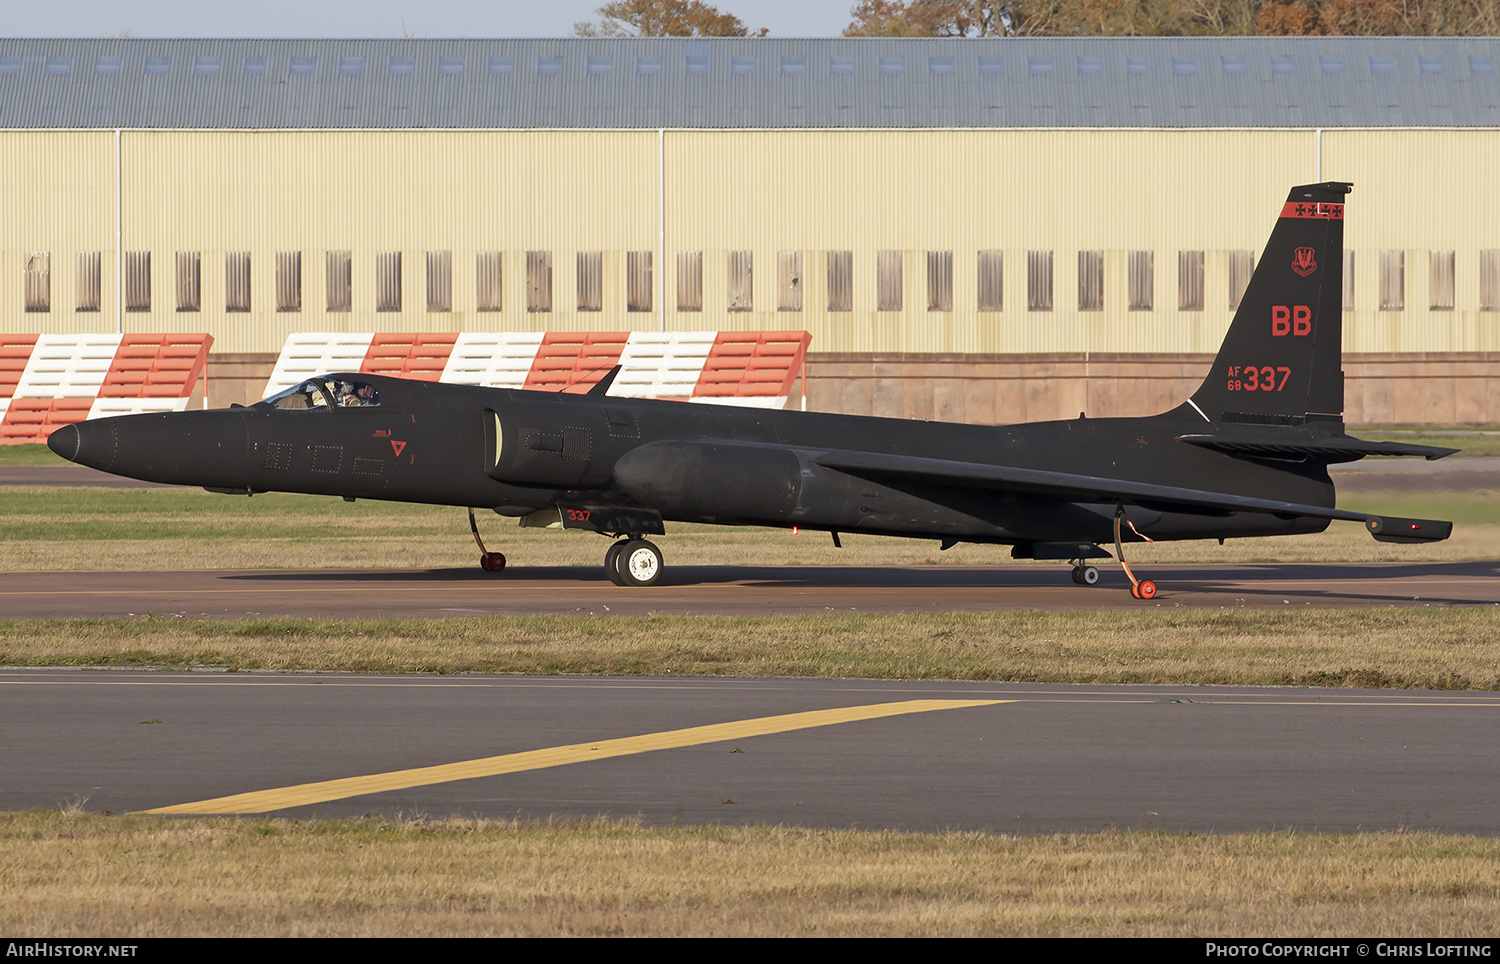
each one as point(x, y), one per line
point(1247, 455)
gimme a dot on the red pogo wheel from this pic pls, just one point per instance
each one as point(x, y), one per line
point(1146, 590)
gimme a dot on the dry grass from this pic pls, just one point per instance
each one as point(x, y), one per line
point(91, 529)
point(65, 874)
point(1438, 648)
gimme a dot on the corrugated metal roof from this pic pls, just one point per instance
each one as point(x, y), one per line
point(584, 83)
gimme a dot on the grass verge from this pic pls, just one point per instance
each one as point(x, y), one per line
point(1375, 648)
point(71, 874)
point(171, 529)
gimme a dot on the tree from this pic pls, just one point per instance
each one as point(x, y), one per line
point(1174, 18)
point(663, 18)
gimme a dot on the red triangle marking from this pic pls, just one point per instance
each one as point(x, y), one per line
point(398, 446)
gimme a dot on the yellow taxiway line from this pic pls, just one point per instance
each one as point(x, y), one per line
point(264, 801)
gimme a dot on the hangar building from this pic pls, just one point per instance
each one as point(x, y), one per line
point(973, 230)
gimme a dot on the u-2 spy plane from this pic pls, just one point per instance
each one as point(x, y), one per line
point(1246, 455)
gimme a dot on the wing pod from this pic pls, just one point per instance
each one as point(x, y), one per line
point(1392, 529)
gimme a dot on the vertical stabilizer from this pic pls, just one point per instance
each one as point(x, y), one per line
point(1281, 360)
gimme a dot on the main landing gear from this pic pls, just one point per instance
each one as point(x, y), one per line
point(633, 561)
point(1085, 575)
point(488, 561)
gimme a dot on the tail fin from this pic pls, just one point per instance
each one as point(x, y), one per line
point(1281, 361)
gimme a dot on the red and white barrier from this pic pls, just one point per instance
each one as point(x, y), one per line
point(750, 368)
point(47, 381)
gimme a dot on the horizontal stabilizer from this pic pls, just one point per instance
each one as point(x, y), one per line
point(1391, 529)
point(1333, 448)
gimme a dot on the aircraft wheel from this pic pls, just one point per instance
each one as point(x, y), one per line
point(639, 563)
point(612, 562)
point(1077, 574)
point(1088, 576)
point(492, 562)
point(1145, 589)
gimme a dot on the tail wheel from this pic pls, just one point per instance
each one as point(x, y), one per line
point(639, 563)
point(612, 562)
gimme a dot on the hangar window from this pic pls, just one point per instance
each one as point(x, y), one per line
point(539, 281)
point(890, 65)
point(402, 65)
point(205, 65)
point(1489, 280)
point(1039, 281)
point(940, 281)
point(1091, 281)
point(742, 65)
point(1141, 267)
point(789, 281)
point(648, 65)
point(302, 66)
point(549, 65)
point(351, 65)
point(12, 65)
point(255, 65)
point(340, 270)
point(1283, 65)
point(158, 65)
point(86, 281)
point(741, 281)
point(388, 281)
point(1348, 294)
point(1135, 65)
point(440, 281)
point(841, 281)
point(237, 281)
point(289, 281)
point(793, 65)
point(697, 64)
point(590, 281)
point(1184, 65)
point(57, 65)
point(841, 65)
point(137, 280)
point(990, 65)
point(1038, 65)
point(1232, 65)
point(1440, 264)
point(940, 65)
point(1481, 65)
point(1090, 65)
point(502, 65)
point(1430, 65)
point(103, 65)
point(487, 268)
point(1382, 65)
point(189, 280)
point(991, 280)
point(598, 65)
point(888, 293)
point(450, 65)
point(1241, 267)
point(1331, 65)
point(638, 281)
point(1392, 280)
point(38, 281)
point(690, 281)
point(1190, 281)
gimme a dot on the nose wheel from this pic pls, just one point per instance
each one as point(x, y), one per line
point(633, 562)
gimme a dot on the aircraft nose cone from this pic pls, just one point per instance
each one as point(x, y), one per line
point(64, 442)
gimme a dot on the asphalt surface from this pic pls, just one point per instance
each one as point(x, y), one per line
point(729, 590)
point(1044, 758)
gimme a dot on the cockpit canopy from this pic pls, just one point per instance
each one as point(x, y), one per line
point(323, 393)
